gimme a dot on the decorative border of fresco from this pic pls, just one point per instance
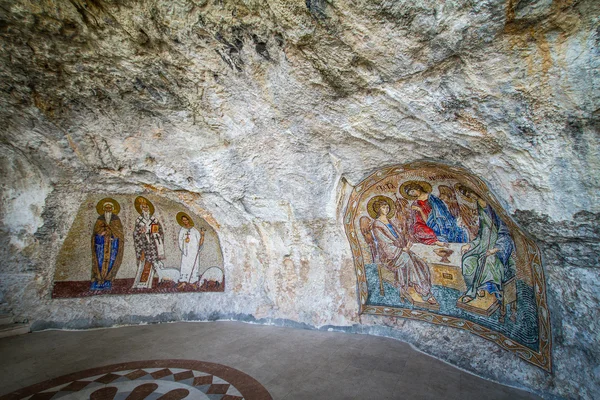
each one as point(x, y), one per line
point(75, 289)
point(540, 359)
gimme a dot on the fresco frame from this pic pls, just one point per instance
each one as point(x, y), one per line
point(75, 255)
point(541, 358)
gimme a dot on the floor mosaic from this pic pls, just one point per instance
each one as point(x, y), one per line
point(149, 380)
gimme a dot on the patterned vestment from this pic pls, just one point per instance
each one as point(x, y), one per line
point(147, 243)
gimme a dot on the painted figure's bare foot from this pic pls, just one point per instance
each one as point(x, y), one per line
point(467, 299)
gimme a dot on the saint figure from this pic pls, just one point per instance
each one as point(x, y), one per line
point(466, 216)
point(107, 245)
point(486, 261)
point(190, 243)
point(432, 222)
point(393, 252)
point(149, 243)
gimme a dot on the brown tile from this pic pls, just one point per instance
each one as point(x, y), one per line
point(108, 378)
point(218, 388)
point(43, 396)
point(183, 375)
point(75, 386)
point(176, 394)
point(106, 393)
point(136, 374)
point(203, 380)
point(161, 373)
point(142, 391)
point(230, 397)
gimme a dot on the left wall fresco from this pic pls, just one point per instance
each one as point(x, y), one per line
point(128, 244)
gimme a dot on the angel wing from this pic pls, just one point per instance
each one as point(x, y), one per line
point(365, 229)
point(404, 218)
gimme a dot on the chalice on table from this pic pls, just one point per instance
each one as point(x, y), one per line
point(444, 254)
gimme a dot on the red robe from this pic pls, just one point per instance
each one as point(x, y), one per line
point(420, 230)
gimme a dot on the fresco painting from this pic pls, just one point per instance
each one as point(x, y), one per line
point(139, 244)
point(430, 242)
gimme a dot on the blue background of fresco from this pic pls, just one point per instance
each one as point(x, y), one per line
point(524, 330)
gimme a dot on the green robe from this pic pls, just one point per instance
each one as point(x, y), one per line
point(489, 272)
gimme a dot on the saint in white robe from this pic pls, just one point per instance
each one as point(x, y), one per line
point(189, 244)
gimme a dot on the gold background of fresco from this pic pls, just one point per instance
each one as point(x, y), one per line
point(74, 260)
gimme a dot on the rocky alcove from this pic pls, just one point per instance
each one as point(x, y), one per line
point(259, 119)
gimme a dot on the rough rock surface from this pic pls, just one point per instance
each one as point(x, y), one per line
point(260, 115)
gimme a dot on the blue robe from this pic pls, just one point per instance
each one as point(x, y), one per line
point(443, 223)
point(107, 252)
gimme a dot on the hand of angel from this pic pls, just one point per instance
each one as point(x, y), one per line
point(465, 248)
point(492, 251)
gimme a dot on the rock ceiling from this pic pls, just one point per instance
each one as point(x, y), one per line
point(262, 114)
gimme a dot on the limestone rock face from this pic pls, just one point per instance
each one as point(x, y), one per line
point(260, 116)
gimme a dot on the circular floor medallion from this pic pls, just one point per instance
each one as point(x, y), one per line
point(150, 380)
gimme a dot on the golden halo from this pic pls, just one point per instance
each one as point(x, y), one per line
point(425, 185)
point(100, 206)
point(458, 187)
point(388, 200)
point(180, 215)
point(138, 205)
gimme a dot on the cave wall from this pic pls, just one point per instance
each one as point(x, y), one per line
point(261, 117)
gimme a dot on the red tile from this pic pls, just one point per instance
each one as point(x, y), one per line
point(108, 378)
point(203, 380)
point(136, 374)
point(183, 375)
point(142, 391)
point(106, 393)
point(176, 394)
point(75, 386)
point(43, 396)
point(161, 373)
point(218, 388)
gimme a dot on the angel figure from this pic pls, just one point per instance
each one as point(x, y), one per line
point(487, 262)
point(391, 250)
point(466, 216)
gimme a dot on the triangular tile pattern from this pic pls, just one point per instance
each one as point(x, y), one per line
point(213, 386)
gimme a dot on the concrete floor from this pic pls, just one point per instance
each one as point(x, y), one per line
point(290, 363)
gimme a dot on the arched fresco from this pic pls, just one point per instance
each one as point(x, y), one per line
point(127, 244)
point(430, 242)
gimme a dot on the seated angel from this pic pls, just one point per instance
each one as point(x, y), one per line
point(487, 262)
point(433, 223)
point(392, 251)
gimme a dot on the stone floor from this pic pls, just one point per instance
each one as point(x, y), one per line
point(290, 363)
